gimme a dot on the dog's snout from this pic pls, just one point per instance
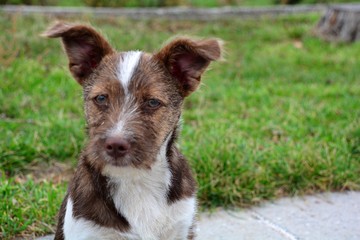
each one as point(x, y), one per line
point(117, 147)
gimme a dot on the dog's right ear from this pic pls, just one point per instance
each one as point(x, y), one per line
point(84, 47)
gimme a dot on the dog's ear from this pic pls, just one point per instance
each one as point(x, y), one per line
point(187, 59)
point(84, 47)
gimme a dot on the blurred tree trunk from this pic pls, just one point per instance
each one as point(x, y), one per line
point(340, 23)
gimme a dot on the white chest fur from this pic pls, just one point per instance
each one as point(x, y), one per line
point(141, 199)
point(173, 222)
point(140, 196)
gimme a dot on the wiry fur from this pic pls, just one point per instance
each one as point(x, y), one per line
point(131, 181)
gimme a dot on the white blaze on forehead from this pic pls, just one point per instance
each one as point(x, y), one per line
point(126, 67)
point(128, 62)
point(128, 112)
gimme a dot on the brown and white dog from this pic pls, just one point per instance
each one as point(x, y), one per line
point(131, 181)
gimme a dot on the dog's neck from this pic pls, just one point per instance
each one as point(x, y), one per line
point(157, 177)
point(140, 195)
point(135, 174)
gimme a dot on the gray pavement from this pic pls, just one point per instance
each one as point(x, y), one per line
point(177, 13)
point(324, 216)
point(330, 216)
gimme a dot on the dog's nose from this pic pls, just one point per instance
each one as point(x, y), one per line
point(117, 147)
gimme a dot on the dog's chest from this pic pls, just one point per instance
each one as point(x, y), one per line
point(141, 197)
point(180, 217)
point(149, 214)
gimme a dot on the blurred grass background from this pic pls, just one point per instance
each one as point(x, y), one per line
point(279, 117)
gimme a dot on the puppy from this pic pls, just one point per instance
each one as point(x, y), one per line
point(131, 181)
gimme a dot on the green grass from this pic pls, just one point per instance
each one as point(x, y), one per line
point(281, 116)
point(29, 206)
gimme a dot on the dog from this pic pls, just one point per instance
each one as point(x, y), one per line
point(131, 181)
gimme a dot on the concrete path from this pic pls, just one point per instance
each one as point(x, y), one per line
point(326, 216)
point(172, 12)
point(330, 216)
point(169, 12)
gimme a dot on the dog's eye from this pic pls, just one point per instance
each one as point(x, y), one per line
point(153, 103)
point(101, 99)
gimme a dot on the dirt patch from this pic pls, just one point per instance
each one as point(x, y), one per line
point(55, 172)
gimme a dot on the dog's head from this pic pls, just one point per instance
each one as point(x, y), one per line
point(132, 99)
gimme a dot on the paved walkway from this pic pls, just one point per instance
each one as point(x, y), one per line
point(330, 216)
point(173, 12)
point(325, 216)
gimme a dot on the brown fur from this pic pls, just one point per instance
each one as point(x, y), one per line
point(167, 76)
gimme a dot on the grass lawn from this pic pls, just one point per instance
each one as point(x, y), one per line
point(280, 117)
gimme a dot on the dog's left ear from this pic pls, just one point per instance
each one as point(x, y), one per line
point(187, 59)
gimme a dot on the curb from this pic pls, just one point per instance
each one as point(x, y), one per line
point(171, 13)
